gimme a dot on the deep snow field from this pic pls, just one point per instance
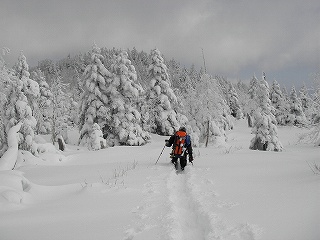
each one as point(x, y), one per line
point(229, 193)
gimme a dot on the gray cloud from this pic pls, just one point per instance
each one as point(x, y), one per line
point(238, 36)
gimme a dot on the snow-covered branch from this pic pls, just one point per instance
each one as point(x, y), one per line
point(9, 158)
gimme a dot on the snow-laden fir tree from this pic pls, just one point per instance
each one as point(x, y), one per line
point(18, 107)
point(315, 118)
point(59, 109)
point(29, 86)
point(96, 138)
point(163, 118)
point(265, 130)
point(94, 101)
point(178, 79)
point(279, 103)
point(252, 103)
point(243, 96)
point(191, 100)
point(233, 103)
point(124, 93)
point(41, 110)
point(296, 115)
point(183, 87)
point(313, 136)
point(140, 62)
point(211, 119)
point(5, 83)
point(253, 87)
point(306, 102)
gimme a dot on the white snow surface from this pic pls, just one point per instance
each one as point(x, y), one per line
point(229, 193)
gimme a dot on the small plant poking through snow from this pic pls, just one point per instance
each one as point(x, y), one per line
point(118, 175)
point(232, 149)
point(315, 167)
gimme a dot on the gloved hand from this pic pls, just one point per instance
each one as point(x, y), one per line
point(167, 143)
point(191, 158)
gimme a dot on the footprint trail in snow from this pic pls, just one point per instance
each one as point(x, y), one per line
point(186, 221)
point(188, 205)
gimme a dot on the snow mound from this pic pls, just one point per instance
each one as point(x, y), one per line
point(13, 187)
point(45, 158)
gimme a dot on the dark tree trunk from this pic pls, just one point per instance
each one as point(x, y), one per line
point(61, 143)
point(249, 118)
point(259, 145)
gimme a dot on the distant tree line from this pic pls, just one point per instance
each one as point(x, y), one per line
point(117, 97)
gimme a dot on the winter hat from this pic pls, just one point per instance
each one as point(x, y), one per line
point(183, 129)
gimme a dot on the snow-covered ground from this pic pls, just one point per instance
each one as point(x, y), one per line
point(231, 192)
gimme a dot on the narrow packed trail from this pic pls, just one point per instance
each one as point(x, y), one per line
point(185, 214)
point(189, 208)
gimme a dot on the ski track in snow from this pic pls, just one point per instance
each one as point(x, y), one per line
point(189, 205)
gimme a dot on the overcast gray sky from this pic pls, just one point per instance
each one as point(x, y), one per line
point(239, 37)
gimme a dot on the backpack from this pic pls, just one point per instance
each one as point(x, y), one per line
point(179, 143)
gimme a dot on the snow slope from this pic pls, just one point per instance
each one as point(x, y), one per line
point(230, 193)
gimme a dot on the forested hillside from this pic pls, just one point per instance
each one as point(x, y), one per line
point(116, 97)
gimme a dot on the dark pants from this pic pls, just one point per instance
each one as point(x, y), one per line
point(183, 161)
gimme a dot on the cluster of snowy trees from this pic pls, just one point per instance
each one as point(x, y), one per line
point(118, 97)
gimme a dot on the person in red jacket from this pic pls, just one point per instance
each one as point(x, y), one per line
point(181, 147)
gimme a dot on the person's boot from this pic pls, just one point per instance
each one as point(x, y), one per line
point(175, 164)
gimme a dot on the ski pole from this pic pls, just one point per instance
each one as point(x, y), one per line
point(160, 154)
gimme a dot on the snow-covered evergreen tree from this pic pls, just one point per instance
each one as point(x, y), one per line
point(42, 111)
point(163, 118)
point(315, 118)
point(243, 96)
point(252, 103)
point(279, 103)
point(140, 61)
point(96, 138)
point(94, 102)
point(18, 108)
point(306, 102)
point(265, 130)
point(209, 121)
point(233, 103)
point(253, 87)
point(59, 110)
point(5, 86)
point(124, 122)
point(30, 87)
point(296, 115)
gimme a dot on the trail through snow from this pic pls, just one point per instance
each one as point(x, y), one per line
point(189, 208)
point(231, 193)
